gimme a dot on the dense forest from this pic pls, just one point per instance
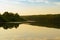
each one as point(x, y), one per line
point(10, 17)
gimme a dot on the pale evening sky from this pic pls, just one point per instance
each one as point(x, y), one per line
point(30, 7)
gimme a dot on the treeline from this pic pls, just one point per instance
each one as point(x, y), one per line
point(52, 20)
point(10, 17)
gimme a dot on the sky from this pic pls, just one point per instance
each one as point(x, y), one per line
point(30, 7)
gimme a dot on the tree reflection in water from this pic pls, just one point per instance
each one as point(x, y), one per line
point(45, 25)
point(9, 25)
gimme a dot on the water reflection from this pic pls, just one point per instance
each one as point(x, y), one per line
point(45, 25)
point(29, 32)
point(16, 25)
point(9, 25)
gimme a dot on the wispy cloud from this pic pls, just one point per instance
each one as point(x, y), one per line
point(41, 2)
point(55, 2)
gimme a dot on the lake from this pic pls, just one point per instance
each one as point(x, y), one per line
point(30, 32)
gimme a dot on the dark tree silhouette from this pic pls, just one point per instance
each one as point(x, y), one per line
point(11, 17)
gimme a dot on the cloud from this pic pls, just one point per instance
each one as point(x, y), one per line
point(56, 3)
point(54, 0)
point(45, 1)
point(9, 2)
point(38, 2)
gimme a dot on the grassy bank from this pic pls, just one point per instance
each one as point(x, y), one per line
point(45, 20)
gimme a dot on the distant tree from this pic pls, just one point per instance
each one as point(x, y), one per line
point(2, 19)
point(11, 17)
point(18, 18)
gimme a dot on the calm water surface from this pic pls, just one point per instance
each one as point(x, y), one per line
point(29, 32)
